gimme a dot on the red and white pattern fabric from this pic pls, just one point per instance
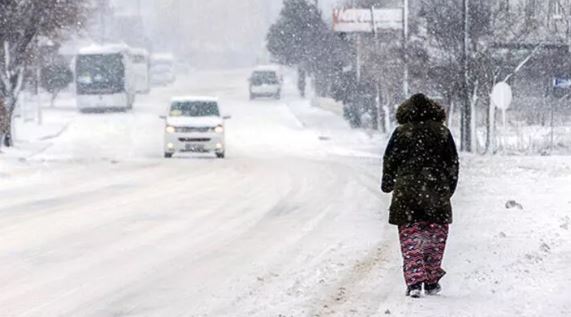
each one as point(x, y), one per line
point(422, 246)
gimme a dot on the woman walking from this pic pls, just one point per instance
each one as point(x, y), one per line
point(421, 169)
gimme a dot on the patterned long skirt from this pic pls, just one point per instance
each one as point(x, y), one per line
point(422, 246)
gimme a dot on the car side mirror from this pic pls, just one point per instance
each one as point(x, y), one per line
point(163, 117)
point(227, 117)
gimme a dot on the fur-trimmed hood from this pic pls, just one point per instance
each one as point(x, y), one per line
point(420, 108)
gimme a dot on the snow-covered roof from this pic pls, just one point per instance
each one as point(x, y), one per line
point(194, 98)
point(103, 49)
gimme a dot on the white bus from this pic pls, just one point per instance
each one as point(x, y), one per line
point(142, 68)
point(105, 78)
point(163, 69)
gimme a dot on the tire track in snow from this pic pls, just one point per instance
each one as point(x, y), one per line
point(232, 217)
point(359, 290)
point(278, 288)
point(352, 295)
point(126, 244)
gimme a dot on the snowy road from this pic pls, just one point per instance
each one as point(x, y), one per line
point(97, 224)
point(94, 222)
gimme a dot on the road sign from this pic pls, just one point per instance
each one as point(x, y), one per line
point(361, 20)
point(352, 20)
point(388, 19)
point(562, 83)
point(502, 95)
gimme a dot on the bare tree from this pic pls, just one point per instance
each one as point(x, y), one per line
point(495, 33)
point(22, 22)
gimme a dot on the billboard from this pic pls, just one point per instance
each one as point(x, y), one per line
point(362, 20)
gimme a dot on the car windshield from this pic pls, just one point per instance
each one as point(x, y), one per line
point(264, 77)
point(194, 109)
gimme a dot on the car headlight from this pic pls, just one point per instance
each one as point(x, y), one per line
point(170, 129)
point(219, 129)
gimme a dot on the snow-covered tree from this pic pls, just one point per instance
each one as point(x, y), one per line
point(503, 39)
point(55, 77)
point(294, 39)
point(302, 39)
point(435, 51)
point(22, 22)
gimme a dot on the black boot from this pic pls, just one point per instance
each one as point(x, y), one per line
point(414, 291)
point(432, 289)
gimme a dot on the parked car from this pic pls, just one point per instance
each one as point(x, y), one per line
point(194, 124)
point(266, 81)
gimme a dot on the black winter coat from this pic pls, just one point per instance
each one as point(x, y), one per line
point(420, 165)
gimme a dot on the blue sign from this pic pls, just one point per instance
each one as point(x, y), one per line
point(562, 83)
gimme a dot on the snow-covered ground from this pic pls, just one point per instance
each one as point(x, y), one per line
point(93, 222)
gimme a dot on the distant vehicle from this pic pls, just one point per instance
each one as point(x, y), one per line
point(266, 81)
point(163, 69)
point(194, 124)
point(142, 69)
point(105, 78)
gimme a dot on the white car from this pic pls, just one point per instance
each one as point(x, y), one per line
point(266, 81)
point(194, 124)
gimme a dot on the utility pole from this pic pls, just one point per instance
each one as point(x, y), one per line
point(377, 122)
point(405, 50)
point(466, 116)
point(358, 57)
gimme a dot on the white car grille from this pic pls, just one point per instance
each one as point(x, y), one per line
point(193, 130)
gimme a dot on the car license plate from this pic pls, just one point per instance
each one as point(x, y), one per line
point(194, 147)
